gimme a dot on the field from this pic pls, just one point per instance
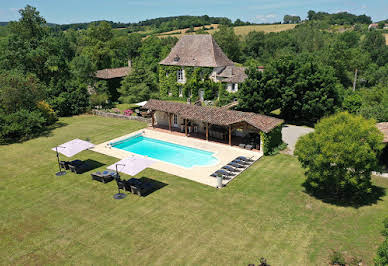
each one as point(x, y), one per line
point(264, 212)
point(239, 30)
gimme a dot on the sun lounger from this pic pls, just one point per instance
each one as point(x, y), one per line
point(240, 162)
point(236, 165)
point(229, 168)
point(243, 158)
point(221, 172)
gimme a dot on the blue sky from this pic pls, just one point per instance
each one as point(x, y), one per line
point(71, 11)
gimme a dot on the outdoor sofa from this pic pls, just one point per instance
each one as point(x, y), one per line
point(104, 177)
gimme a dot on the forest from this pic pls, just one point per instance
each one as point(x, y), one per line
point(310, 72)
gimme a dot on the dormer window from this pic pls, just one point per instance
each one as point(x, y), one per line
point(176, 58)
point(181, 75)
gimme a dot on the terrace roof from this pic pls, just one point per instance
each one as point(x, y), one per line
point(214, 115)
point(111, 73)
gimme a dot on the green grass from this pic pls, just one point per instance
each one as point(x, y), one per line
point(264, 212)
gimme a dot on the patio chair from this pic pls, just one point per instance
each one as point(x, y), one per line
point(64, 164)
point(120, 183)
point(142, 189)
point(131, 182)
point(249, 147)
point(242, 146)
point(77, 166)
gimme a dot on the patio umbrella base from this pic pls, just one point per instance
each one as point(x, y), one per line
point(61, 173)
point(119, 196)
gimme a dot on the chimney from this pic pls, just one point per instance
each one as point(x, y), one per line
point(129, 63)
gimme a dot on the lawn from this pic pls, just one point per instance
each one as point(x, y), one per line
point(46, 219)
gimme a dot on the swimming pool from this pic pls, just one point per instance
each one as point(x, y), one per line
point(166, 151)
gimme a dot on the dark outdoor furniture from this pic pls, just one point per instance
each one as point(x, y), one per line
point(245, 159)
point(248, 147)
point(221, 172)
point(120, 183)
point(240, 162)
point(229, 168)
point(77, 166)
point(104, 177)
point(141, 190)
point(64, 164)
point(236, 165)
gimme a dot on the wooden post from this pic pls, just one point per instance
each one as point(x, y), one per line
point(153, 119)
point(207, 131)
point(186, 127)
point(169, 122)
point(230, 135)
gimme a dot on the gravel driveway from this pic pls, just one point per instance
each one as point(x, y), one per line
point(291, 135)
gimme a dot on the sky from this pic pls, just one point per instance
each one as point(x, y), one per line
point(257, 11)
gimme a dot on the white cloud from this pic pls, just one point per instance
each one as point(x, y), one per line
point(265, 17)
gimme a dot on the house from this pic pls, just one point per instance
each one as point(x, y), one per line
point(113, 76)
point(221, 124)
point(373, 26)
point(193, 52)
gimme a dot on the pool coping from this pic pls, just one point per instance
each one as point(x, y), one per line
point(201, 174)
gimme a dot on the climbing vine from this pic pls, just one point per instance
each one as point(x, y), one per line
point(272, 141)
point(196, 78)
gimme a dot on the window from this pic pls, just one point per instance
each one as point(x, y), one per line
point(235, 87)
point(175, 120)
point(180, 92)
point(180, 75)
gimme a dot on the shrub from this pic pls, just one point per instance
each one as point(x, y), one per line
point(336, 258)
point(47, 112)
point(339, 156)
point(382, 254)
point(21, 125)
point(98, 99)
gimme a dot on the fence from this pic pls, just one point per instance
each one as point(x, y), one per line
point(120, 116)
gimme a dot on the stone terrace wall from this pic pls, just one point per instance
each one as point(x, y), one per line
point(120, 116)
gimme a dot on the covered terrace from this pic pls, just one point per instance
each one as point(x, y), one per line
point(227, 126)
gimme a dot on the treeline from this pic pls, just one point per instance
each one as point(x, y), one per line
point(158, 25)
point(341, 18)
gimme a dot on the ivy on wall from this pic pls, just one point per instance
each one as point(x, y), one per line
point(196, 78)
point(272, 141)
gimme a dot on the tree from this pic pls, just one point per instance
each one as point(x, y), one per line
point(309, 90)
point(339, 156)
point(257, 95)
point(254, 44)
point(229, 42)
point(18, 91)
point(139, 85)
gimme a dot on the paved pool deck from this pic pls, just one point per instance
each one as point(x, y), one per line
point(224, 153)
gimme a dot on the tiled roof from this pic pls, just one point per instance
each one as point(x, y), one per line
point(111, 73)
point(383, 127)
point(233, 74)
point(214, 115)
point(197, 50)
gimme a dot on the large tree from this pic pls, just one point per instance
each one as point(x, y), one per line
point(340, 155)
point(229, 42)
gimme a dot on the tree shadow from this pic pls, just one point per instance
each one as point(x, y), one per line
point(366, 200)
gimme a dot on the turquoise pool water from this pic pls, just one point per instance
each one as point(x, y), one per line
point(166, 151)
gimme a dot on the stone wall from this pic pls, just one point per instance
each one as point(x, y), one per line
point(120, 116)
